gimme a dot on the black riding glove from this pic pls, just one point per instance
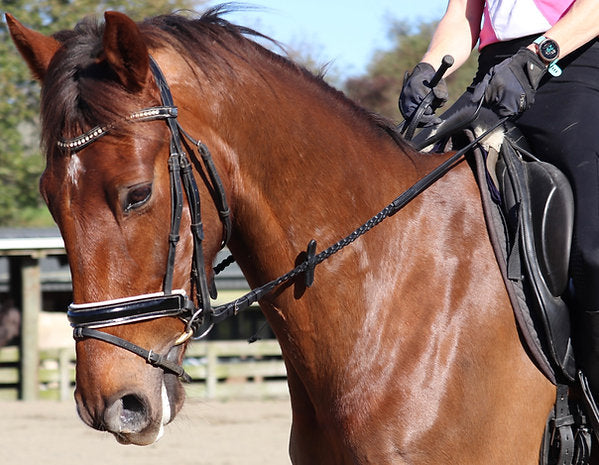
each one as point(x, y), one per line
point(509, 87)
point(414, 90)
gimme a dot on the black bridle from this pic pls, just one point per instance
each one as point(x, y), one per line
point(85, 318)
point(88, 317)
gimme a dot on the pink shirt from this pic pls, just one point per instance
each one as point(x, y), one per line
point(511, 19)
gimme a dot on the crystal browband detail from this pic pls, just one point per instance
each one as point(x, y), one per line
point(95, 133)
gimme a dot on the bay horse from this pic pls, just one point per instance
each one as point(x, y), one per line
point(403, 351)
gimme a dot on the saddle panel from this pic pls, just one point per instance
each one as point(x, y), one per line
point(552, 208)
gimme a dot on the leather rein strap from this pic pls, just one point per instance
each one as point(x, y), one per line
point(222, 312)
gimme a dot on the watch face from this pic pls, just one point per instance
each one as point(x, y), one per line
point(549, 50)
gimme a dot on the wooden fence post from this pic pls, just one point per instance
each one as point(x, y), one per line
point(211, 368)
point(31, 303)
point(64, 365)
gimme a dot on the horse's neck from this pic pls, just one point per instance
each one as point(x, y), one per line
point(301, 164)
point(311, 169)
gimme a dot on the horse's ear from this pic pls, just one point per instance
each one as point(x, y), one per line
point(125, 50)
point(36, 48)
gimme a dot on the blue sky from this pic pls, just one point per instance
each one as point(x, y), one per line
point(346, 32)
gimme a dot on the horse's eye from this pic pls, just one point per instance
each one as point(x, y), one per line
point(137, 196)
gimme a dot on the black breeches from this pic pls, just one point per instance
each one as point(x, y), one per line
point(562, 129)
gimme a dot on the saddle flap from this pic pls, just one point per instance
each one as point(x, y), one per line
point(550, 217)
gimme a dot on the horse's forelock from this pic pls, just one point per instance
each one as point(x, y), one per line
point(80, 91)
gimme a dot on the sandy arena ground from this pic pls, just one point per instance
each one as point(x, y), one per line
point(204, 433)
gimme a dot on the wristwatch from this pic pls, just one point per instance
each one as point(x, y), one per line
point(548, 51)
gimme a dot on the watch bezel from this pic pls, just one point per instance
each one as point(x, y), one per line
point(552, 54)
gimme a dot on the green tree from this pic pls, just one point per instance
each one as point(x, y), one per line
point(379, 89)
point(20, 160)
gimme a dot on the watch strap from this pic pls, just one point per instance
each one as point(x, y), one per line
point(552, 66)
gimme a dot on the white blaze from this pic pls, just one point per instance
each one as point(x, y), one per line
point(74, 169)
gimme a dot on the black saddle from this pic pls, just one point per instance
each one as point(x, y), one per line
point(537, 207)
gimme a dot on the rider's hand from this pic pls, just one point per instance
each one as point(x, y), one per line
point(414, 90)
point(509, 87)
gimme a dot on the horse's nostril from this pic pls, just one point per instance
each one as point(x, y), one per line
point(133, 413)
point(127, 415)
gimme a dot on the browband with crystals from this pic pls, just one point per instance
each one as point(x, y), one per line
point(149, 114)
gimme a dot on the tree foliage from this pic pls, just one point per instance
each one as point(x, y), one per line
point(379, 89)
point(20, 161)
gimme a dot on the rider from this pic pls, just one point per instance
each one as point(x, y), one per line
point(538, 62)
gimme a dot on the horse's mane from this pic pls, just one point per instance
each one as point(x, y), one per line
point(79, 92)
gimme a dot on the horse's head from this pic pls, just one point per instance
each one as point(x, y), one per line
point(109, 137)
